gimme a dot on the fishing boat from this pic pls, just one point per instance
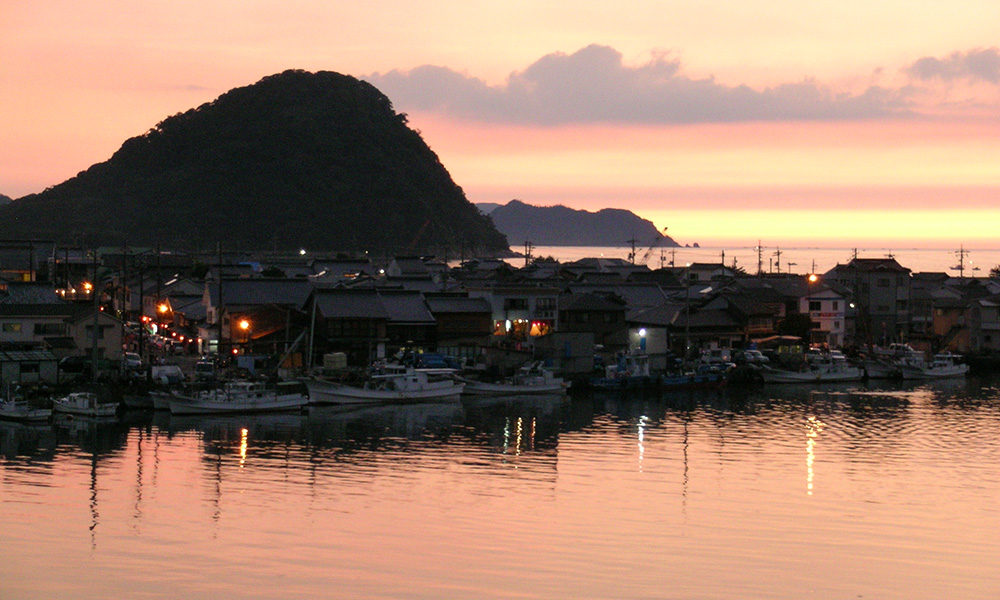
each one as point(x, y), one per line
point(84, 404)
point(402, 386)
point(942, 365)
point(14, 407)
point(630, 370)
point(238, 397)
point(531, 379)
point(22, 412)
point(704, 378)
point(817, 367)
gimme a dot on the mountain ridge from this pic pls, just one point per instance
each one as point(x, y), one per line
point(296, 160)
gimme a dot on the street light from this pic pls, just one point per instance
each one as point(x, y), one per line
point(245, 326)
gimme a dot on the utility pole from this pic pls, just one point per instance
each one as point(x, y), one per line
point(97, 307)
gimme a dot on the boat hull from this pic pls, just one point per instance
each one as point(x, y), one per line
point(954, 371)
point(772, 375)
point(479, 388)
point(327, 392)
point(181, 405)
point(24, 414)
point(99, 410)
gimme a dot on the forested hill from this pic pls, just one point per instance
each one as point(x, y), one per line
point(297, 160)
point(562, 226)
point(4, 199)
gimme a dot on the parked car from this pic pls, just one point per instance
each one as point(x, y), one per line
point(131, 361)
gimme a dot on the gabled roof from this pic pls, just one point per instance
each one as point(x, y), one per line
point(345, 303)
point(404, 306)
point(872, 265)
point(636, 295)
point(657, 315)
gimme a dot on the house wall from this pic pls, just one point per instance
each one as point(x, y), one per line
point(32, 329)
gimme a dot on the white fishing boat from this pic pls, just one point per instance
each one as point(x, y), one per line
point(13, 407)
point(817, 367)
point(400, 387)
point(85, 404)
point(532, 379)
point(19, 410)
point(239, 397)
point(941, 366)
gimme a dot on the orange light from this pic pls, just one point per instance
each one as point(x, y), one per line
point(244, 324)
point(162, 308)
point(235, 351)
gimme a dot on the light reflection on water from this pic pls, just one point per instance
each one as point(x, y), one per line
point(781, 492)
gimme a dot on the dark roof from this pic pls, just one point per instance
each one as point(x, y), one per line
point(404, 306)
point(656, 315)
point(457, 304)
point(28, 293)
point(63, 309)
point(590, 301)
point(872, 265)
point(636, 295)
point(255, 292)
point(26, 355)
point(706, 318)
point(343, 303)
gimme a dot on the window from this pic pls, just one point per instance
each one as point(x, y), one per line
point(29, 367)
point(11, 327)
point(836, 305)
point(836, 325)
point(515, 304)
point(50, 329)
point(545, 304)
point(815, 306)
point(883, 282)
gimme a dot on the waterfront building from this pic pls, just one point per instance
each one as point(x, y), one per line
point(881, 291)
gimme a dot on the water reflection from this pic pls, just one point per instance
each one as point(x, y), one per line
point(813, 428)
point(531, 497)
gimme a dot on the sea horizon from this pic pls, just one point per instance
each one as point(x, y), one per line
point(974, 262)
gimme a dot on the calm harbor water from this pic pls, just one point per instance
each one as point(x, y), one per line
point(888, 491)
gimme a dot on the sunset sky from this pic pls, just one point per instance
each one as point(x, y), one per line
point(831, 123)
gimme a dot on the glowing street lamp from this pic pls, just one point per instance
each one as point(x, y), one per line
point(244, 324)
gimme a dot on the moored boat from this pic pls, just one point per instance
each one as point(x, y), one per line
point(20, 410)
point(238, 397)
point(817, 368)
point(532, 379)
point(85, 404)
point(942, 365)
point(402, 387)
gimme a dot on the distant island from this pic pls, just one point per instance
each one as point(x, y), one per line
point(563, 226)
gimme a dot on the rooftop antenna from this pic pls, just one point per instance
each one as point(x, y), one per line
point(760, 258)
point(777, 253)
